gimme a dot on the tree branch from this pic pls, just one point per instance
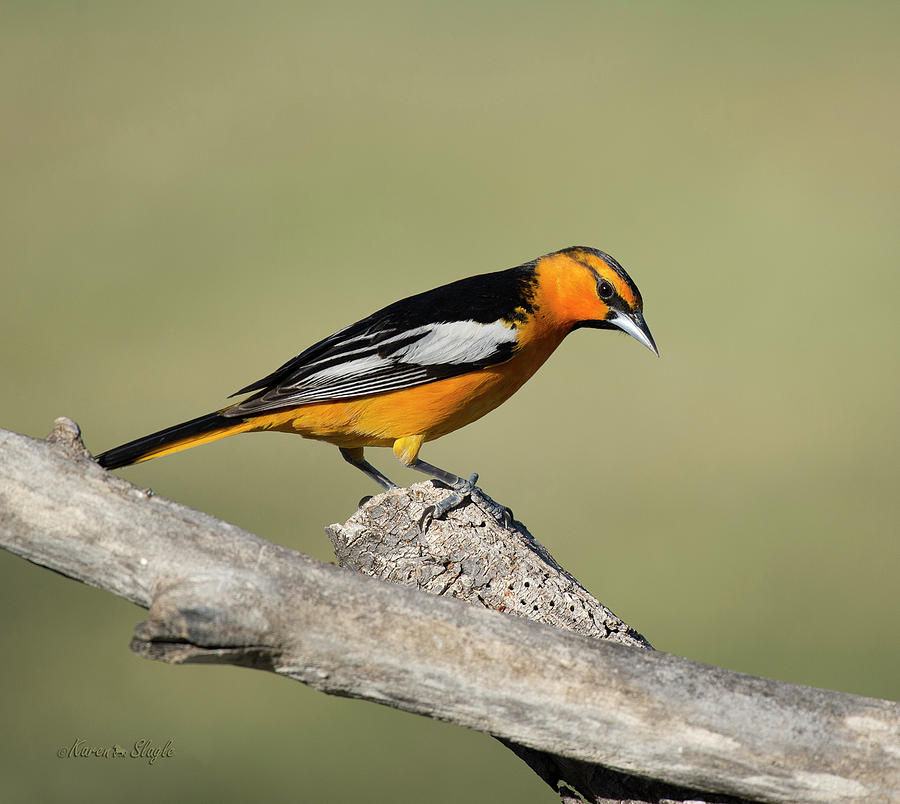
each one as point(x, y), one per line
point(219, 594)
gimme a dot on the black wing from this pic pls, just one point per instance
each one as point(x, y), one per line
point(438, 334)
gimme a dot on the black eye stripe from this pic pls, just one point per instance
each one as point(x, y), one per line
point(613, 297)
point(612, 263)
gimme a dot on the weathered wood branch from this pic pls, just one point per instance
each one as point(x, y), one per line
point(469, 556)
point(219, 594)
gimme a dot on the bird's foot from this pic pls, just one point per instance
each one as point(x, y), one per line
point(467, 490)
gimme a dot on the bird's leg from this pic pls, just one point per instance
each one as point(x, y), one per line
point(407, 450)
point(355, 457)
point(462, 490)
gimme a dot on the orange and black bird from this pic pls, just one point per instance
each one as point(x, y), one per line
point(424, 366)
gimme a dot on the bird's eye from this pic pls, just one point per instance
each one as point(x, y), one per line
point(605, 290)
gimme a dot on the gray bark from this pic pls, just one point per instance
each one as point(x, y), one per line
point(567, 702)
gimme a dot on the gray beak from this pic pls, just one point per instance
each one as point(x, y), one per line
point(635, 326)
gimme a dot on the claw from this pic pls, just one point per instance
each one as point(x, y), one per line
point(426, 519)
point(501, 513)
point(462, 490)
point(467, 490)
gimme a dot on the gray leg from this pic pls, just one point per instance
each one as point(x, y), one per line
point(463, 490)
point(355, 457)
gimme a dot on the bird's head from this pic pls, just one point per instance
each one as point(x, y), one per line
point(586, 287)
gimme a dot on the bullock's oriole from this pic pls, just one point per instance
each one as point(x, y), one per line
point(424, 366)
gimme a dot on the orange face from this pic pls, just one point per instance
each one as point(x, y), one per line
point(585, 287)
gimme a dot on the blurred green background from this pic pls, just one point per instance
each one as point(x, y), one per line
point(194, 192)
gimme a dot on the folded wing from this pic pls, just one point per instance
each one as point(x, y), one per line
point(375, 356)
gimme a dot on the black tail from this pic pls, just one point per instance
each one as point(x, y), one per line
point(171, 439)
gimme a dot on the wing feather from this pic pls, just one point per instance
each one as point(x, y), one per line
point(451, 330)
point(381, 360)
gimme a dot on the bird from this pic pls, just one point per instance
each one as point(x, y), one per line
point(423, 367)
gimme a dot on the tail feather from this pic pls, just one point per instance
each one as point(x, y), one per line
point(206, 428)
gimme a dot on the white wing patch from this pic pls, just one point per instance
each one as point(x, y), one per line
point(455, 342)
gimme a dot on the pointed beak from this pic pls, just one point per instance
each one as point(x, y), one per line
point(635, 326)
